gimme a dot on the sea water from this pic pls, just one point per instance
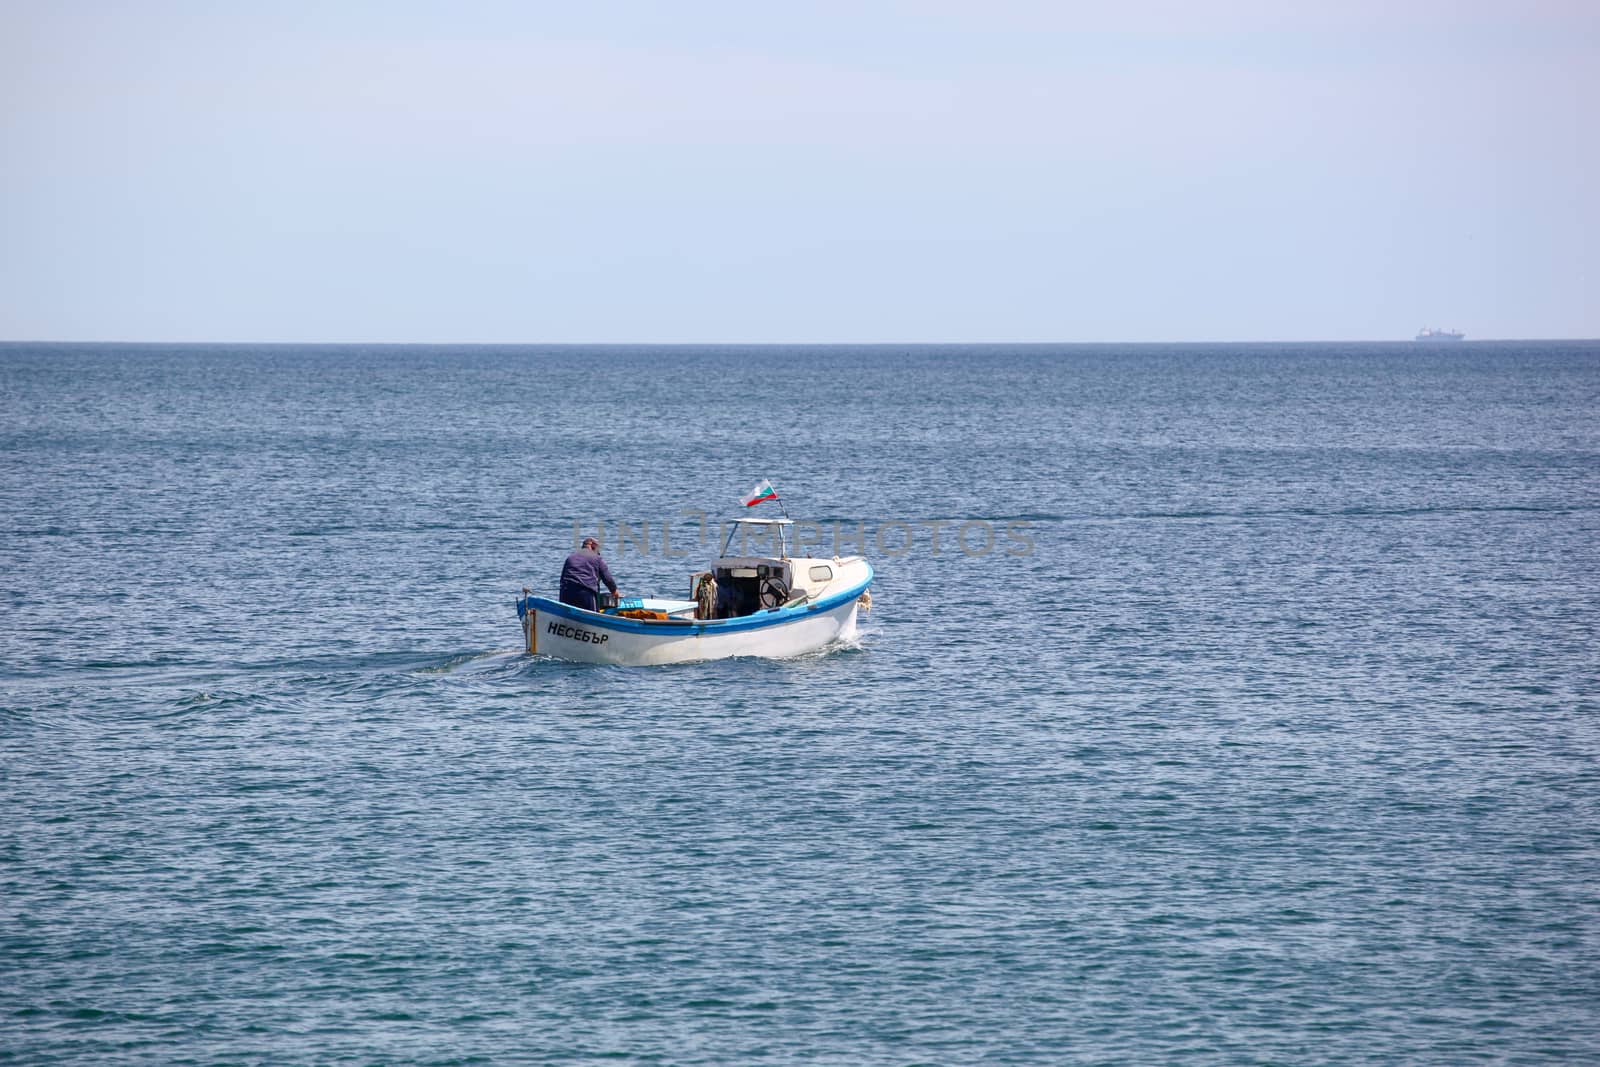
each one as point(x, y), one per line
point(1264, 731)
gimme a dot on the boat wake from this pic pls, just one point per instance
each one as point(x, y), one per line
point(468, 661)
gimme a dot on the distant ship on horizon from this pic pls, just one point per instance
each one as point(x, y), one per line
point(1429, 334)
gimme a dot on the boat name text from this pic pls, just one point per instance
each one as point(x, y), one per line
point(577, 633)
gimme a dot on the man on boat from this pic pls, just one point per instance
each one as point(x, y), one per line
point(582, 574)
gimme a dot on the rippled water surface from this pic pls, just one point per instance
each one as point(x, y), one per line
point(1266, 732)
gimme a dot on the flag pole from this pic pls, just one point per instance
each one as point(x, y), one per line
point(784, 551)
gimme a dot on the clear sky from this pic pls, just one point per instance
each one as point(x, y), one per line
point(1148, 170)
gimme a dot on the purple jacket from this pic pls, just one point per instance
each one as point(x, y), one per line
point(585, 569)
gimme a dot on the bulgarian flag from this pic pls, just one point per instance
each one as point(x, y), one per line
point(762, 491)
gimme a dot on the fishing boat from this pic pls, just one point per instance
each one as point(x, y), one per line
point(774, 606)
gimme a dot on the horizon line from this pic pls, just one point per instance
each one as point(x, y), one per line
point(776, 344)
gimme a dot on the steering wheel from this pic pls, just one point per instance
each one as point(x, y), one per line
point(772, 592)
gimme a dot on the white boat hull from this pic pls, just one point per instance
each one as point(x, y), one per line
point(560, 630)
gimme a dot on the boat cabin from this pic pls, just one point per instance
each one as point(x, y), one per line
point(742, 585)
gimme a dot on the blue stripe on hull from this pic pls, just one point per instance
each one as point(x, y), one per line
point(761, 620)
